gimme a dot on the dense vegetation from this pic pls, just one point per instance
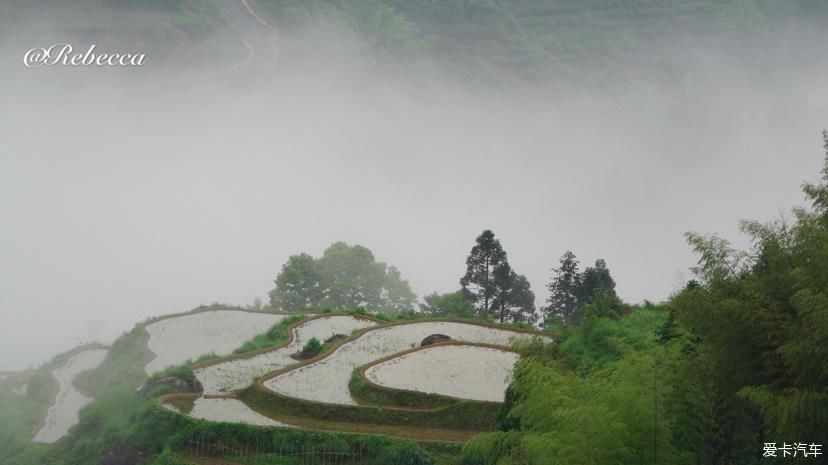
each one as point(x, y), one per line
point(493, 287)
point(343, 277)
point(734, 362)
point(277, 334)
point(131, 427)
point(491, 290)
point(486, 39)
point(121, 424)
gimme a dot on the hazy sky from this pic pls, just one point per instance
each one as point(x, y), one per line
point(115, 207)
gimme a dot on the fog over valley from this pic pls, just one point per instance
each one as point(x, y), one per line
point(125, 197)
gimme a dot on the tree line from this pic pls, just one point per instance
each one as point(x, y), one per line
point(347, 277)
point(731, 370)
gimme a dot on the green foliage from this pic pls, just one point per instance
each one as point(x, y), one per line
point(736, 358)
point(610, 381)
point(575, 295)
point(602, 303)
point(452, 304)
point(562, 303)
point(298, 286)
point(123, 366)
point(718, 260)
point(205, 358)
point(277, 334)
point(607, 339)
point(595, 280)
point(20, 415)
point(382, 317)
point(404, 454)
point(344, 277)
point(759, 321)
point(514, 301)
point(181, 371)
point(478, 284)
point(499, 42)
point(169, 458)
point(375, 450)
point(312, 348)
point(492, 286)
point(818, 193)
point(121, 422)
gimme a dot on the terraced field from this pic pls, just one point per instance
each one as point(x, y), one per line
point(372, 377)
point(63, 414)
point(230, 411)
point(234, 374)
point(460, 371)
point(187, 337)
point(375, 378)
point(327, 380)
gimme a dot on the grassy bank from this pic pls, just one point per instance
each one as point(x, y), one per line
point(462, 415)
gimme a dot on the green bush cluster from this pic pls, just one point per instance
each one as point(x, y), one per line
point(312, 348)
point(375, 450)
point(277, 334)
point(123, 366)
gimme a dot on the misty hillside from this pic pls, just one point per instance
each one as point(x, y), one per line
point(534, 38)
point(413, 232)
point(479, 39)
point(183, 32)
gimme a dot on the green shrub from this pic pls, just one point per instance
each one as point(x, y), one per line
point(312, 348)
point(181, 371)
point(123, 366)
point(382, 316)
point(277, 334)
point(205, 358)
point(404, 454)
point(168, 458)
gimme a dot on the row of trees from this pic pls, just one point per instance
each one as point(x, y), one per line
point(349, 276)
point(732, 370)
point(491, 289)
point(574, 294)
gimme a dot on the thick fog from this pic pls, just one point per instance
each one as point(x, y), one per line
point(122, 200)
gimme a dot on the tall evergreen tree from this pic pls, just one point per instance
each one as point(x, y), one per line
point(562, 304)
point(595, 280)
point(478, 284)
point(514, 300)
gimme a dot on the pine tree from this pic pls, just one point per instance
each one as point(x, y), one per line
point(514, 300)
point(594, 280)
point(562, 304)
point(478, 284)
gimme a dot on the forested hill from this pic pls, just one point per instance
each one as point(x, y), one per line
point(532, 38)
point(480, 40)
